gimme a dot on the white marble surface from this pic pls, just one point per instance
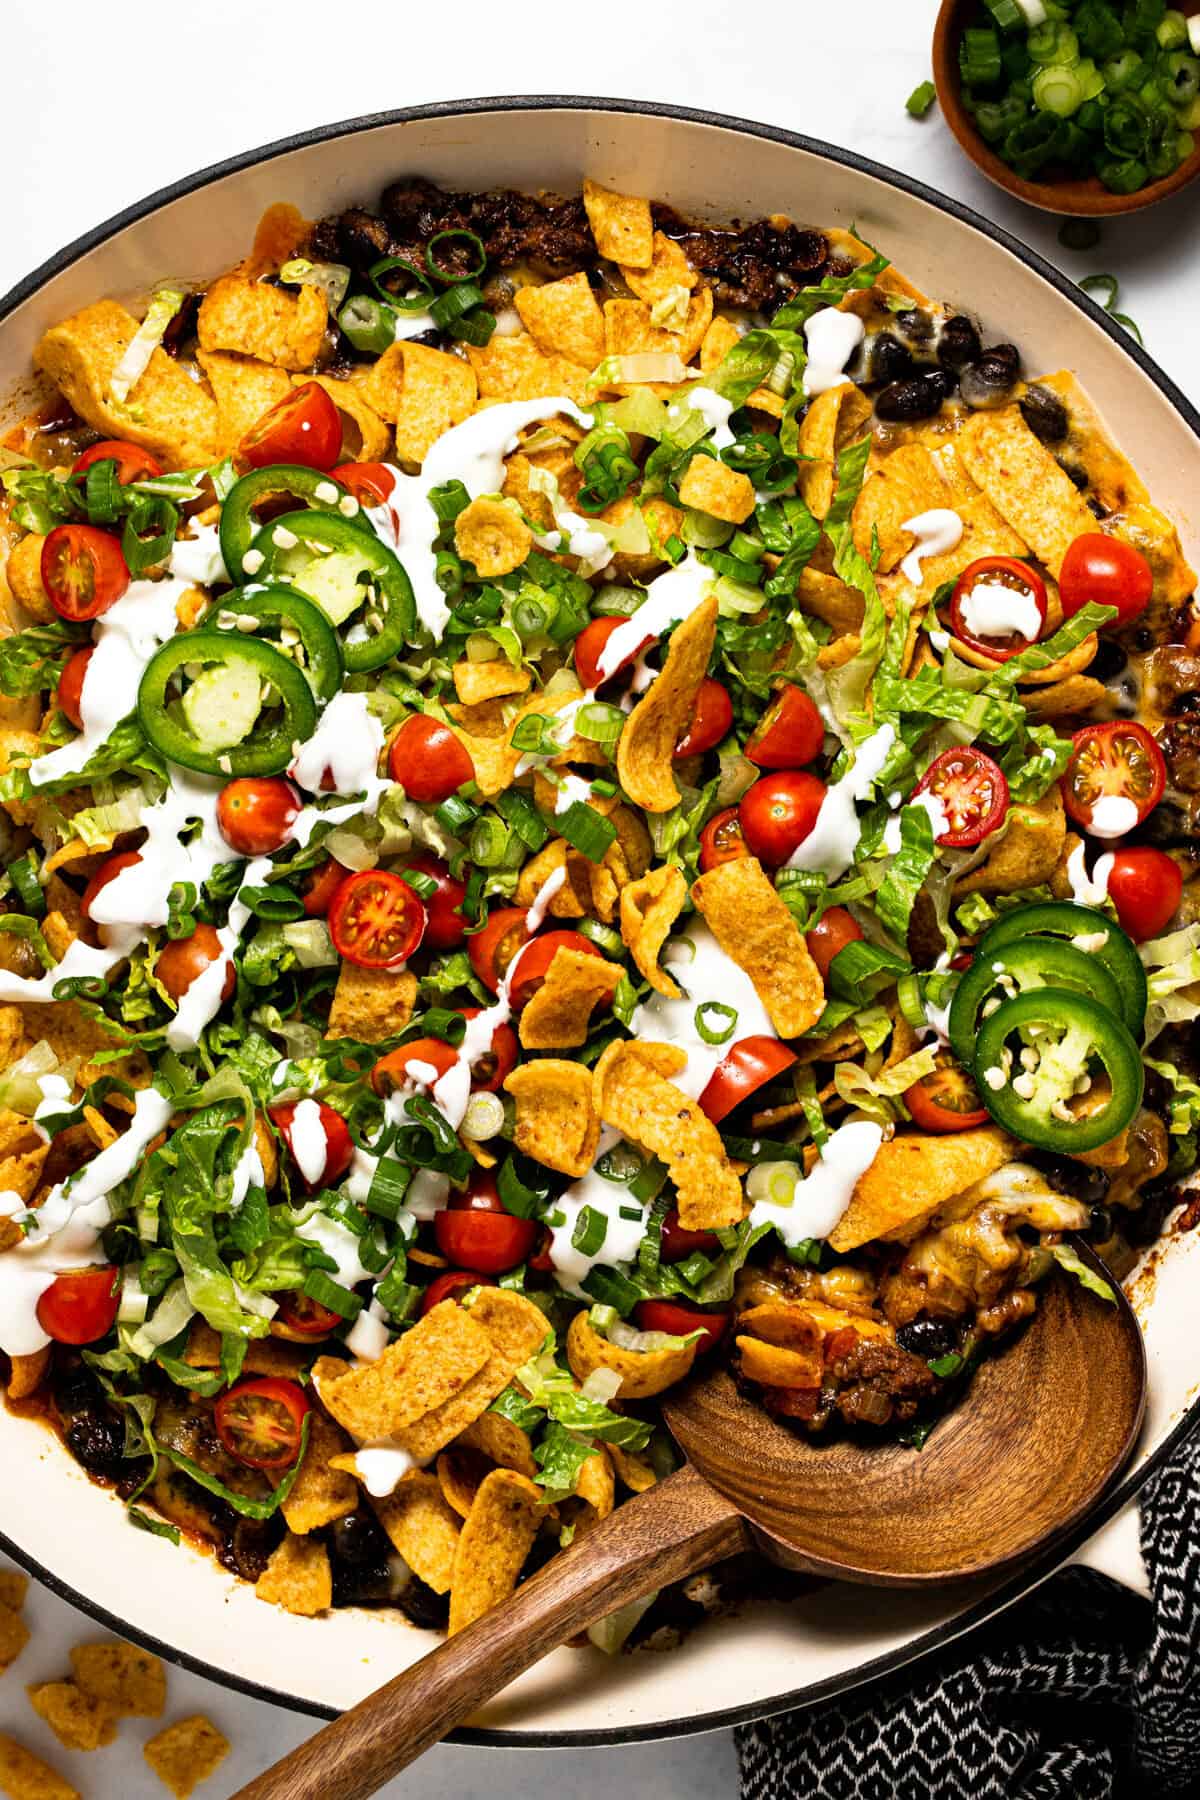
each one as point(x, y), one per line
point(102, 106)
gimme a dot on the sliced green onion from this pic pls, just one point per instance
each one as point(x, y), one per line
point(591, 1229)
point(519, 811)
point(420, 288)
point(341, 1300)
point(519, 1199)
point(1007, 14)
point(922, 98)
point(448, 573)
point(586, 830)
point(530, 618)
point(774, 1182)
point(454, 303)
point(712, 1034)
point(979, 57)
point(455, 814)
point(484, 1118)
point(1058, 89)
point(600, 722)
point(439, 270)
point(331, 279)
point(489, 841)
point(419, 882)
point(389, 1184)
point(448, 501)
point(369, 324)
point(1172, 30)
point(475, 328)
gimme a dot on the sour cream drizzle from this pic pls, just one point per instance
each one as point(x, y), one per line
point(990, 609)
point(832, 338)
point(936, 532)
point(670, 598)
point(821, 1197)
point(64, 1232)
point(833, 840)
point(621, 1236)
point(473, 453)
point(1088, 890)
point(706, 976)
point(126, 637)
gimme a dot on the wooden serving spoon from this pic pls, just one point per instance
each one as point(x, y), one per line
point(1040, 1432)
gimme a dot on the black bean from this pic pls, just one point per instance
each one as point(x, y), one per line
point(988, 381)
point(1108, 661)
point(958, 342)
point(1100, 1225)
point(1075, 1179)
point(929, 1338)
point(425, 1608)
point(1045, 414)
point(97, 1440)
point(888, 359)
point(357, 1538)
point(920, 397)
point(915, 327)
point(75, 1388)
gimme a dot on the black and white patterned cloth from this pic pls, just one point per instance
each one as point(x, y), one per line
point(1083, 1691)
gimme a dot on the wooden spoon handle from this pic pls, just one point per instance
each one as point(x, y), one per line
point(677, 1527)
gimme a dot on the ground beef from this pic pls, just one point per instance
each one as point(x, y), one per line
point(756, 267)
point(1180, 745)
point(878, 1381)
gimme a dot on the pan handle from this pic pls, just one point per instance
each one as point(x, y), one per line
point(675, 1528)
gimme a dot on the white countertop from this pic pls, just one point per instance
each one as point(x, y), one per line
point(101, 107)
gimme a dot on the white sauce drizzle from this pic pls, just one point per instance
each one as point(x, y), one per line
point(833, 840)
point(1088, 890)
point(621, 1236)
point(820, 1198)
point(832, 338)
point(708, 975)
point(936, 532)
point(670, 598)
point(64, 1232)
point(197, 559)
point(990, 609)
point(308, 1142)
point(473, 453)
point(1112, 816)
point(126, 637)
point(715, 410)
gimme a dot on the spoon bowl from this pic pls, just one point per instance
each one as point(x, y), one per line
point(1040, 1432)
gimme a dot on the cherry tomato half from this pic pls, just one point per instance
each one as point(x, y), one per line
point(375, 919)
point(789, 733)
point(674, 1317)
point(1115, 777)
point(260, 1422)
point(255, 814)
point(721, 841)
point(589, 647)
point(301, 1318)
point(778, 813)
point(70, 684)
point(947, 1100)
point(973, 793)
point(712, 715)
point(475, 1232)
point(1109, 571)
point(304, 427)
point(181, 960)
point(445, 927)
point(452, 1285)
point(133, 463)
point(532, 963)
point(395, 1069)
point(492, 949)
point(339, 1145)
point(320, 885)
point(747, 1066)
point(678, 1243)
point(428, 761)
point(83, 571)
point(996, 572)
point(490, 1072)
point(108, 871)
point(370, 483)
point(832, 932)
point(79, 1306)
point(1146, 887)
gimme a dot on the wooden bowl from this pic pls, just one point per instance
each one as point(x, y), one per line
point(1085, 197)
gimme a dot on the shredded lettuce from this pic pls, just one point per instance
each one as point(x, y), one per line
point(847, 687)
point(135, 359)
point(907, 872)
point(1073, 1263)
